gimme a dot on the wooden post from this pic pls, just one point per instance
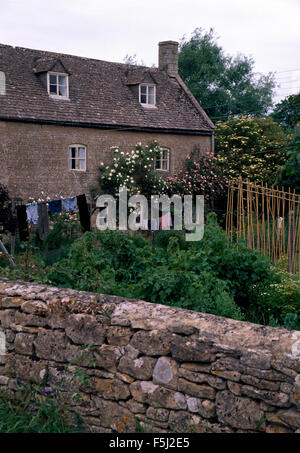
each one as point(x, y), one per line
point(2, 247)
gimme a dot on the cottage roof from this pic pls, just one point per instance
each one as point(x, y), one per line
point(101, 94)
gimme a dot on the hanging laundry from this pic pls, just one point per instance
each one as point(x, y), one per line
point(84, 214)
point(70, 203)
point(54, 206)
point(166, 221)
point(22, 222)
point(32, 213)
point(43, 220)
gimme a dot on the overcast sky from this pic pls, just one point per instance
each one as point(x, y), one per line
point(267, 30)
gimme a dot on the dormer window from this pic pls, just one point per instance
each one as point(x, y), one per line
point(148, 95)
point(58, 85)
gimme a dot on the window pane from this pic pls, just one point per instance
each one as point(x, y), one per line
point(143, 99)
point(165, 154)
point(165, 165)
point(62, 80)
point(81, 164)
point(157, 163)
point(73, 153)
point(53, 79)
point(73, 164)
point(151, 90)
point(81, 153)
point(63, 91)
point(143, 89)
point(151, 98)
point(53, 89)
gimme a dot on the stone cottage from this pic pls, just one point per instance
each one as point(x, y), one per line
point(61, 114)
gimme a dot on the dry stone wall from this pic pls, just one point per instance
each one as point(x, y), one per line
point(171, 369)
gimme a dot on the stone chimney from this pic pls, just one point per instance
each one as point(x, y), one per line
point(168, 57)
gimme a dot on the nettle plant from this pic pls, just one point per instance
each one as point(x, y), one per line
point(134, 170)
point(200, 176)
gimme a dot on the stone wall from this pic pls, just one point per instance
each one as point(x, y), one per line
point(171, 369)
point(34, 157)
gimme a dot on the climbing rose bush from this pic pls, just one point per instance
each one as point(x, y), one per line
point(200, 176)
point(134, 170)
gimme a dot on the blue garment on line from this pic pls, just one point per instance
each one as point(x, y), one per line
point(70, 203)
point(54, 206)
point(32, 213)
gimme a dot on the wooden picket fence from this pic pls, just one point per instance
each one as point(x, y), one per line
point(267, 219)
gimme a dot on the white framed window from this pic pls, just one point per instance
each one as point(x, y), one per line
point(58, 85)
point(2, 83)
point(162, 162)
point(77, 157)
point(147, 94)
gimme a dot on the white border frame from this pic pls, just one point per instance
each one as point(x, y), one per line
point(70, 159)
point(57, 96)
point(147, 85)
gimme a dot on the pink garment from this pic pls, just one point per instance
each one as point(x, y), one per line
point(165, 221)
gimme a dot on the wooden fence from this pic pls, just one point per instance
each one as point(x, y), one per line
point(267, 218)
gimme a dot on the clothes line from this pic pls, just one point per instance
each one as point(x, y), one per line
point(36, 213)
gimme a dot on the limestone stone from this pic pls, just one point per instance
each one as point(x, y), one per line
point(118, 336)
point(256, 359)
point(274, 398)
point(291, 417)
point(130, 351)
point(107, 357)
point(153, 342)
point(234, 387)
point(135, 407)
point(111, 414)
point(166, 372)
point(31, 320)
point(167, 398)
point(24, 343)
point(158, 414)
point(197, 367)
point(188, 350)
point(180, 328)
point(193, 376)
point(141, 368)
point(112, 389)
point(199, 391)
point(34, 307)
point(51, 345)
point(260, 383)
point(238, 412)
point(230, 375)
point(142, 390)
point(205, 408)
point(7, 318)
point(10, 302)
point(84, 329)
point(24, 367)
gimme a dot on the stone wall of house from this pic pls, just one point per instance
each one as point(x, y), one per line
point(171, 369)
point(34, 157)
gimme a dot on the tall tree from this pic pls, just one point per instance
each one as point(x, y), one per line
point(287, 112)
point(222, 84)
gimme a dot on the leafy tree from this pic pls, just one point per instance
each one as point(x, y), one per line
point(222, 84)
point(287, 112)
point(254, 148)
point(289, 174)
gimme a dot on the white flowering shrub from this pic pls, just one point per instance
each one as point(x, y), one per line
point(134, 170)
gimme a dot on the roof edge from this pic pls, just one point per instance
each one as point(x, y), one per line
point(120, 127)
point(193, 100)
